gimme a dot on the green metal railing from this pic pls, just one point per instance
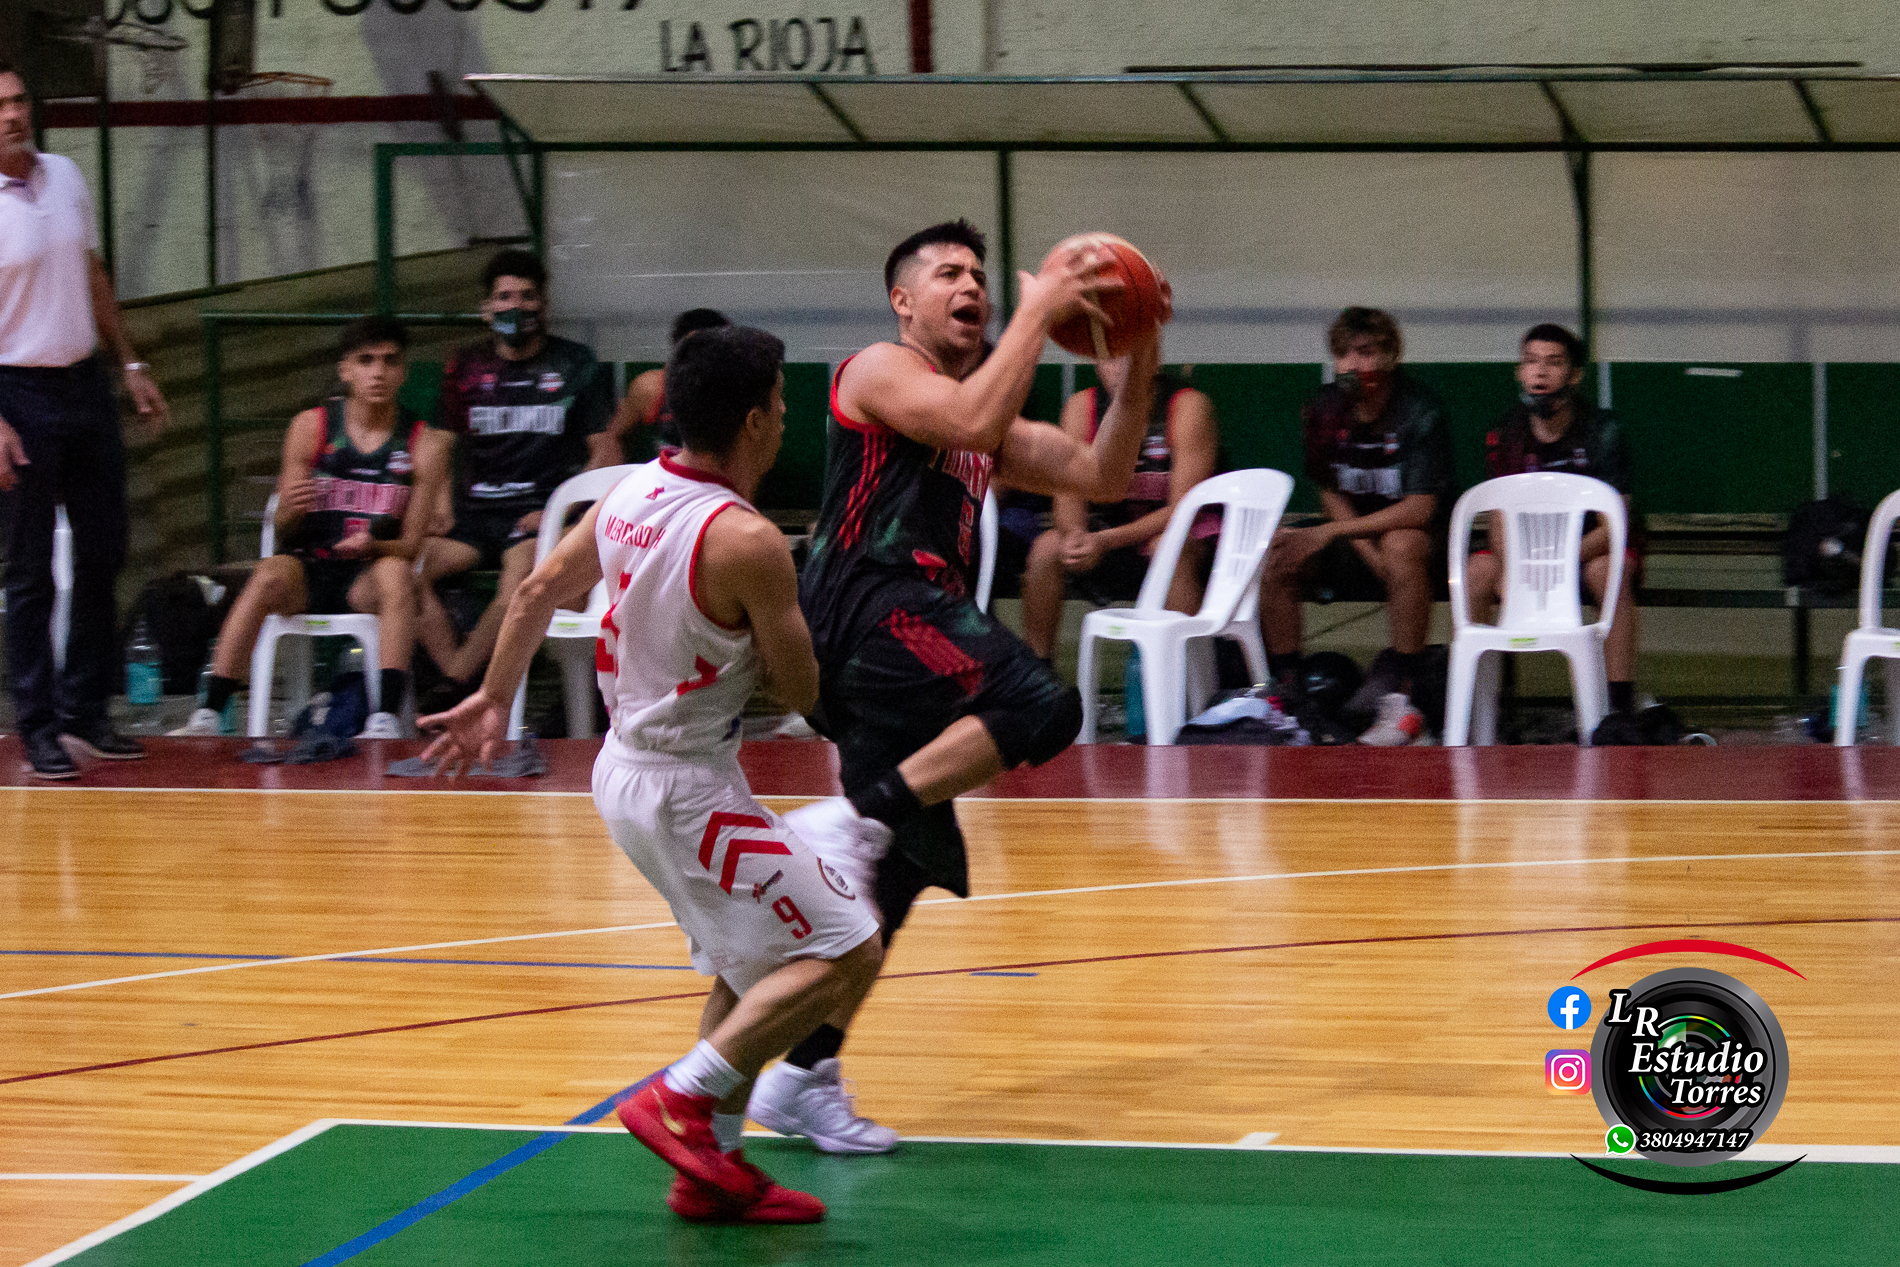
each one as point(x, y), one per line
point(217, 425)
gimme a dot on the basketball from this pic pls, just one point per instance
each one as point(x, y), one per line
point(1132, 310)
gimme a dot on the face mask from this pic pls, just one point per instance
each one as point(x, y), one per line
point(516, 327)
point(1362, 383)
point(1545, 404)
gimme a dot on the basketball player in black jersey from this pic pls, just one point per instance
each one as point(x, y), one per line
point(925, 695)
point(353, 496)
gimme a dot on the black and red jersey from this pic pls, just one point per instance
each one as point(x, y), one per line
point(1591, 445)
point(522, 425)
point(358, 492)
point(895, 504)
point(1154, 468)
point(1404, 451)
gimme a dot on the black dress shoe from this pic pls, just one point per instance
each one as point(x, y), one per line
point(46, 759)
point(100, 740)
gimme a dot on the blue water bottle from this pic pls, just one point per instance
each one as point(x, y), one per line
point(1136, 726)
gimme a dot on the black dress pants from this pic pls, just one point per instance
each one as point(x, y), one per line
point(68, 422)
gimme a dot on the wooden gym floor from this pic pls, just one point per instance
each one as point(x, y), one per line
point(1327, 948)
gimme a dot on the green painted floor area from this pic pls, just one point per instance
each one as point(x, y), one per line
point(596, 1199)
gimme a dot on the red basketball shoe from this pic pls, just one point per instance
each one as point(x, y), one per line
point(698, 1203)
point(679, 1129)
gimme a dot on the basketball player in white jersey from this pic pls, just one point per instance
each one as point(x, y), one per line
point(704, 608)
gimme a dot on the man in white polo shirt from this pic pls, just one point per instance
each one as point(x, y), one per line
point(59, 443)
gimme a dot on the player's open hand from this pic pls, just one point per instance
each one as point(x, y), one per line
point(357, 545)
point(1068, 285)
point(472, 732)
point(154, 413)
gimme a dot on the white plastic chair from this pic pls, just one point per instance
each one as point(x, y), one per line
point(62, 585)
point(1543, 517)
point(299, 660)
point(986, 567)
point(1872, 640)
point(1253, 501)
point(573, 632)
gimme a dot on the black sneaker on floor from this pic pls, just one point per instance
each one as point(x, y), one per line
point(46, 759)
point(101, 741)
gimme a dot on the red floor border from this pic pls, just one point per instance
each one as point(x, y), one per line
point(809, 768)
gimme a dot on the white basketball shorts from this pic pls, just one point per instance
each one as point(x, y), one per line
point(750, 895)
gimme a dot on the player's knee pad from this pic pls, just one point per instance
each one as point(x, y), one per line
point(1034, 735)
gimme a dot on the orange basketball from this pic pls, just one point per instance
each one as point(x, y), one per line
point(1133, 310)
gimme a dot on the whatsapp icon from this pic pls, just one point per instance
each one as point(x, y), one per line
point(1619, 1140)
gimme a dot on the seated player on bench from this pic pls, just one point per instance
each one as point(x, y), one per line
point(527, 410)
point(643, 426)
point(1111, 545)
point(358, 478)
point(1377, 447)
point(1558, 428)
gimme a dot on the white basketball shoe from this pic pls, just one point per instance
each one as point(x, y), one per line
point(203, 722)
point(382, 726)
point(816, 1103)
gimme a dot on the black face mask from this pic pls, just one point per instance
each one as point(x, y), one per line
point(516, 327)
point(1545, 404)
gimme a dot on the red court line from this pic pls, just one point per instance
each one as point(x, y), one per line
point(946, 972)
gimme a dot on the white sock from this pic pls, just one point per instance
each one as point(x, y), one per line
point(729, 1130)
point(703, 1071)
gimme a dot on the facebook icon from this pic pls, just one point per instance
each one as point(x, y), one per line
point(1569, 1008)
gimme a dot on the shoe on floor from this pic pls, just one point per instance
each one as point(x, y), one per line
point(679, 1129)
point(699, 1203)
point(98, 739)
point(1399, 723)
point(203, 721)
point(382, 726)
point(844, 838)
point(46, 758)
point(817, 1104)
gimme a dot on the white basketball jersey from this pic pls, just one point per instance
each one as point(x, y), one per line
point(675, 680)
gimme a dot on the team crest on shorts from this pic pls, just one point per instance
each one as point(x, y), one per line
point(836, 881)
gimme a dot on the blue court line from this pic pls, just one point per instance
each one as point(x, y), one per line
point(1004, 974)
point(469, 1183)
point(494, 963)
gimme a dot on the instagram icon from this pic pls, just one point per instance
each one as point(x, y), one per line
point(1567, 1072)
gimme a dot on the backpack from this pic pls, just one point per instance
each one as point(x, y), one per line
point(182, 614)
point(1821, 549)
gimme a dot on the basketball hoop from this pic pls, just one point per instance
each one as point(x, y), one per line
point(279, 175)
point(154, 47)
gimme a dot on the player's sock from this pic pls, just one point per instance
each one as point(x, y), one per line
point(1285, 666)
point(703, 1071)
point(395, 681)
point(889, 801)
point(821, 1044)
point(729, 1130)
point(219, 690)
point(1622, 697)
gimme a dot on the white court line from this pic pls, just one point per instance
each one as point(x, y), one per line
point(998, 897)
point(119, 1178)
point(335, 954)
point(173, 1200)
point(1440, 866)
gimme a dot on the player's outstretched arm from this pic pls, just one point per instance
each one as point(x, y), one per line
point(746, 578)
point(474, 728)
point(1039, 458)
point(890, 384)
